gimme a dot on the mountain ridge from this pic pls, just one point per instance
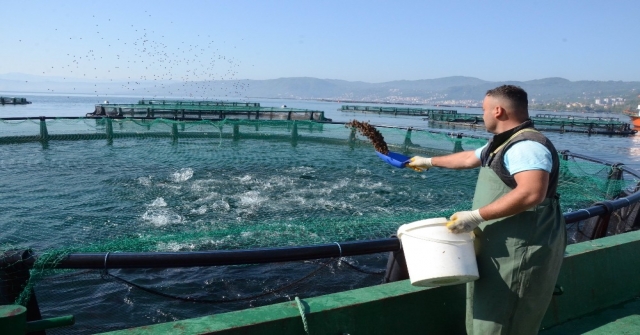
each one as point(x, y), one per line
point(429, 91)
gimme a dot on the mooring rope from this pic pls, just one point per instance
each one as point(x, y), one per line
point(304, 318)
point(354, 267)
point(215, 301)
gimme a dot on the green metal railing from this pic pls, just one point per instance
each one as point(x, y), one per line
point(192, 110)
point(396, 110)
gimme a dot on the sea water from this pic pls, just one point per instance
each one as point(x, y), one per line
point(625, 149)
point(130, 190)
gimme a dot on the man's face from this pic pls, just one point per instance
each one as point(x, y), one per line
point(488, 115)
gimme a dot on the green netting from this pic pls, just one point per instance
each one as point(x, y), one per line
point(113, 185)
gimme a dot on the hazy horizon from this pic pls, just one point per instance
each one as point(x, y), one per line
point(351, 41)
point(22, 76)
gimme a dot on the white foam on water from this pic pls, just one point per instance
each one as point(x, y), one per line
point(200, 210)
point(171, 187)
point(277, 181)
point(175, 246)
point(251, 199)
point(243, 179)
point(220, 205)
point(208, 198)
point(200, 185)
point(145, 181)
point(379, 209)
point(300, 169)
point(161, 217)
point(360, 171)
point(359, 195)
point(159, 202)
point(331, 205)
point(296, 199)
point(367, 184)
point(342, 183)
point(182, 175)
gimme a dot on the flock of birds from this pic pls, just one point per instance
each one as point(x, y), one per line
point(147, 64)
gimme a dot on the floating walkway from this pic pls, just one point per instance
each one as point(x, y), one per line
point(199, 103)
point(13, 101)
point(547, 122)
point(396, 110)
point(203, 110)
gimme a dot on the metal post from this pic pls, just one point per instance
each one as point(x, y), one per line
point(174, 131)
point(613, 181)
point(109, 130)
point(352, 136)
point(457, 145)
point(236, 132)
point(44, 134)
point(294, 134)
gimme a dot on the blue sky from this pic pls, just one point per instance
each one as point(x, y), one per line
point(371, 41)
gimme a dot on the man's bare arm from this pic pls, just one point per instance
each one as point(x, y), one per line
point(530, 191)
point(459, 160)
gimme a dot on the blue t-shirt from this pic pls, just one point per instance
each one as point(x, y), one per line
point(524, 156)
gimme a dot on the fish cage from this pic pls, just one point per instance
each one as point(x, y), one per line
point(545, 122)
point(198, 103)
point(412, 111)
point(125, 222)
point(14, 101)
point(202, 110)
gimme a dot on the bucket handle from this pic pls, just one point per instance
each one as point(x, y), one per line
point(437, 241)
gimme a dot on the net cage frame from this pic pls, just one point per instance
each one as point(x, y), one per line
point(598, 216)
point(546, 122)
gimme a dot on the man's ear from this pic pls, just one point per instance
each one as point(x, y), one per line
point(499, 112)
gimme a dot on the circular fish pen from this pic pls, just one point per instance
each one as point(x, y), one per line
point(177, 219)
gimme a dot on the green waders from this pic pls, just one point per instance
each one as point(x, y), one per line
point(519, 258)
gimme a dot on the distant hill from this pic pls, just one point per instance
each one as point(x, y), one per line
point(456, 89)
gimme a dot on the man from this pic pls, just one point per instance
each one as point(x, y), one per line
point(516, 218)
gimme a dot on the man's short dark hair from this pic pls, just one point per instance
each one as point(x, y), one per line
point(515, 94)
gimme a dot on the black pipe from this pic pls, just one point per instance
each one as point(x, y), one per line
point(123, 260)
point(601, 208)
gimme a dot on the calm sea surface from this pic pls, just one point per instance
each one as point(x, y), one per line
point(102, 303)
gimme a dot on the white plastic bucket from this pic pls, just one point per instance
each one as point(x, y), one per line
point(435, 256)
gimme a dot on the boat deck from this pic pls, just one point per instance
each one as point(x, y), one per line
point(619, 319)
point(600, 295)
